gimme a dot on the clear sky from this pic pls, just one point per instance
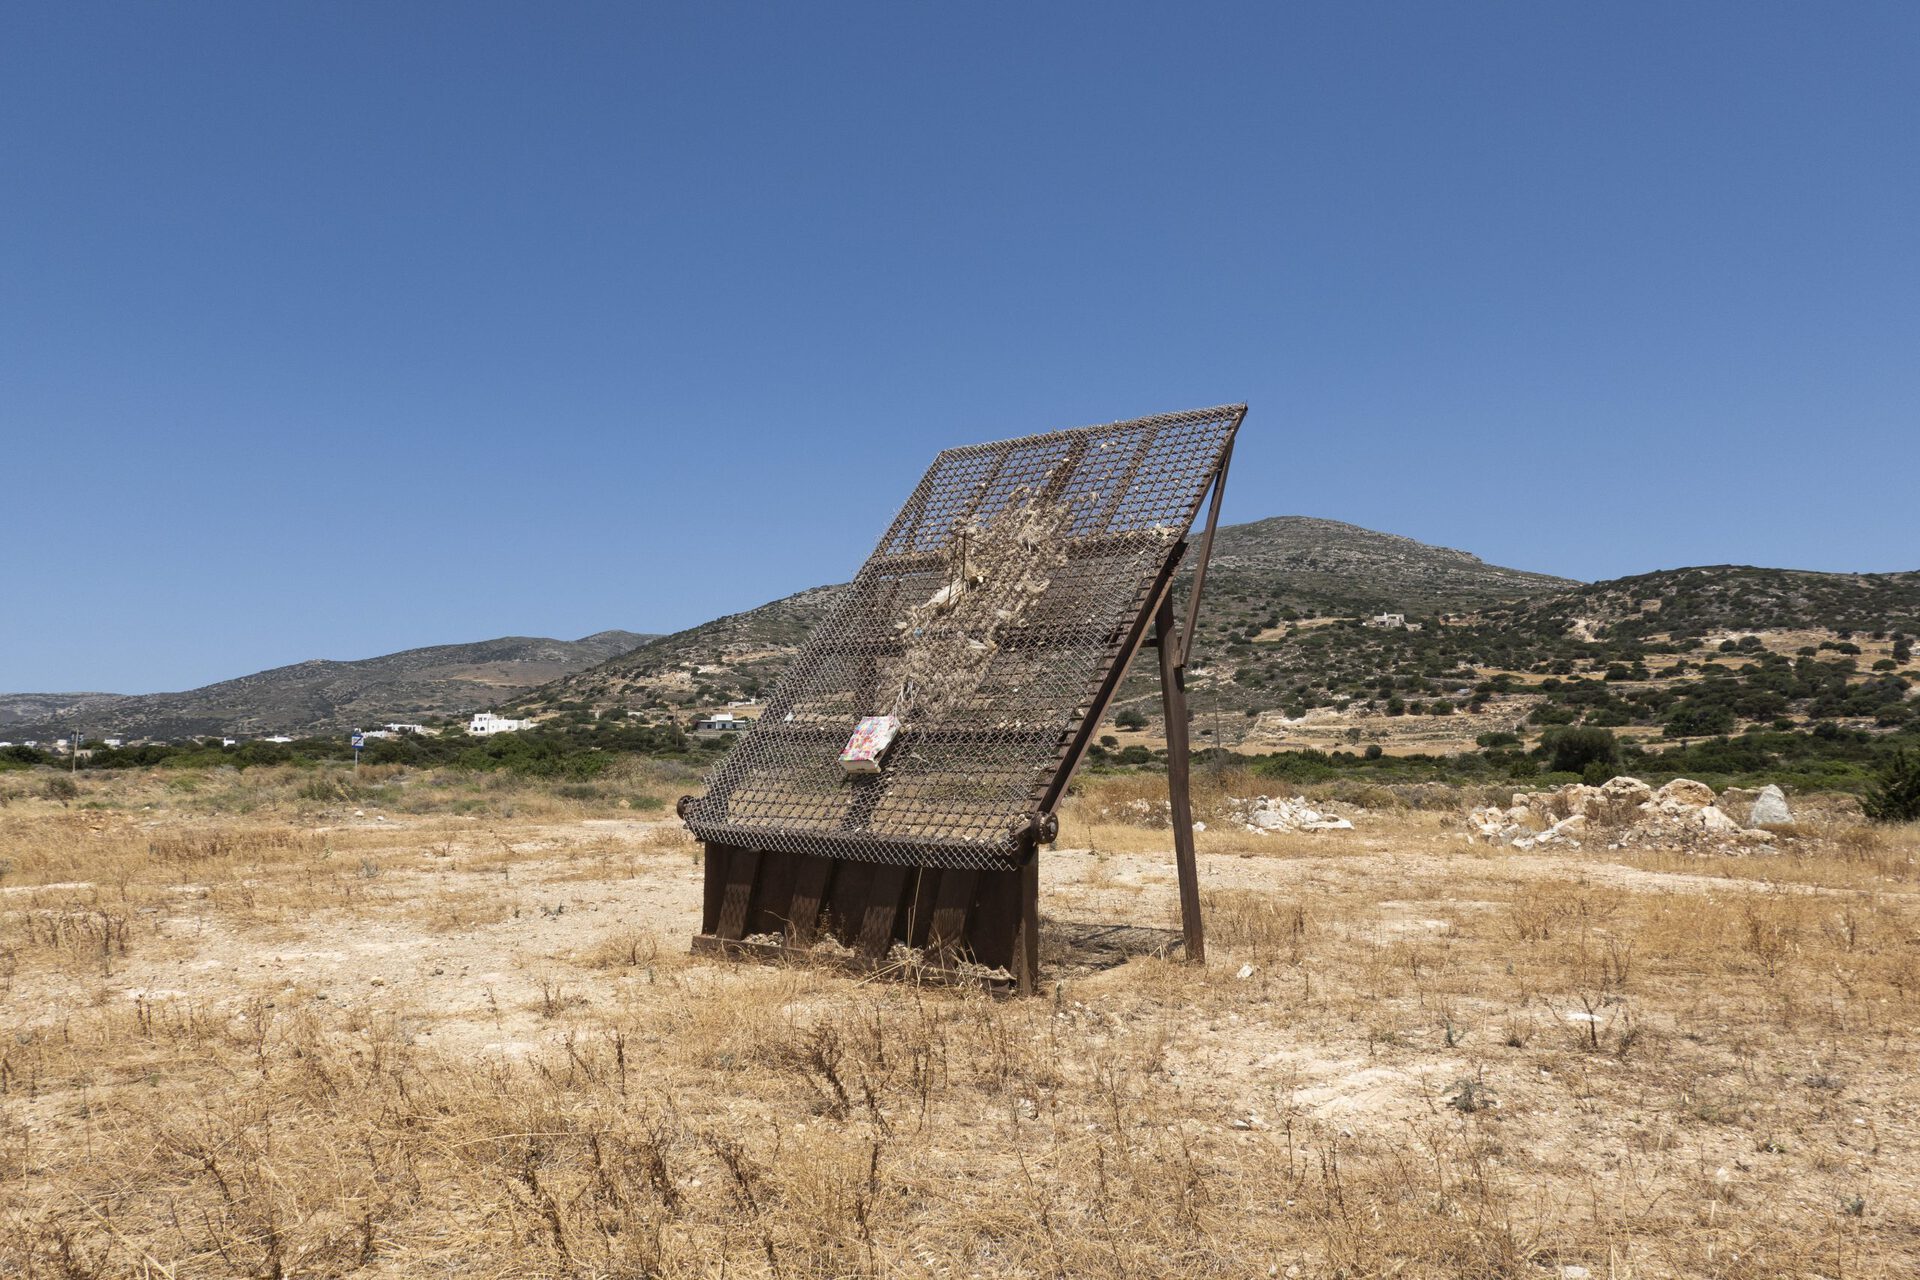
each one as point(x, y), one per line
point(333, 329)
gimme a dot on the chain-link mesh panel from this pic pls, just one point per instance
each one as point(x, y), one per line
point(989, 619)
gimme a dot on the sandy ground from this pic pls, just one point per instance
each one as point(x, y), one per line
point(486, 945)
point(1416, 962)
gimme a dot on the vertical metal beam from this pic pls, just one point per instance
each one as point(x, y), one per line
point(1173, 703)
point(1206, 553)
point(948, 931)
point(810, 886)
point(1026, 940)
point(743, 870)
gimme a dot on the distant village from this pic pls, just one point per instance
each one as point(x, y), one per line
point(483, 724)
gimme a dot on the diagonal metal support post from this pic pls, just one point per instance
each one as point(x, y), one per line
point(1206, 554)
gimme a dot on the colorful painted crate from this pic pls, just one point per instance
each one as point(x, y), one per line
point(868, 745)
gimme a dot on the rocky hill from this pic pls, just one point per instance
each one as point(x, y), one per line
point(322, 695)
point(1686, 653)
point(1733, 598)
point(40, 708)
point(1325, 567)
point(1286, 656)
point(730, 658)
point(1261, 572)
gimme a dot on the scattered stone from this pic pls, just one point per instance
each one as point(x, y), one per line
point(1264, 813)
point(1259, 815)
point(1682, 814)
point(1684, 793)
point(1620, 795)
point(1712, 819)
point(1770, 808)
point(1566, 831)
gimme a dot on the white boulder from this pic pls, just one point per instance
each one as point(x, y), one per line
point(1770, 808)
point(1683, 793)
point(1567, 831)
point(1715, 821)
point(1268, 814)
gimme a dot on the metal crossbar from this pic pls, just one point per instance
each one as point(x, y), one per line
point(990, 618)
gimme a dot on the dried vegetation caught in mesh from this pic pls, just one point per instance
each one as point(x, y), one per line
point(997, 569)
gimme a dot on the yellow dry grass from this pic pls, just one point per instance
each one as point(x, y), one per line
point(295, 1042)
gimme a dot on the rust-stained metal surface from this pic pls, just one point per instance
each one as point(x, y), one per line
point(990, 619)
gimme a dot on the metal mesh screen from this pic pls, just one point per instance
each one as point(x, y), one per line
point(989, 619)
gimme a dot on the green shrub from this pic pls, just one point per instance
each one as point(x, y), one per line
point(1298, 766)
point(1895, 793)
point(1575, 750)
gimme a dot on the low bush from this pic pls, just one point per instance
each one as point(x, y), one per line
point(1894, 795)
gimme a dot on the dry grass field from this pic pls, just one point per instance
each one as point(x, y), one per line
point(277, 1025)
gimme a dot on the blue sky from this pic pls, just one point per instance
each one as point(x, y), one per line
point(328, 330)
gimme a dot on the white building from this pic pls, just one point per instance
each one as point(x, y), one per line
point(278, 737)
point(722, 722)
point(404, 728)
point(486, 724)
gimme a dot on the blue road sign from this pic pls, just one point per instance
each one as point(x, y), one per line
point(359, 740)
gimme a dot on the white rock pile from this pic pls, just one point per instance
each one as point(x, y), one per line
point(1264, 814)
point(1627, 813)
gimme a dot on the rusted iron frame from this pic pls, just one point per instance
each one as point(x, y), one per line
point(1141, 453)
point(1173, 706)
point(1015, 852)
point(1185, 637)
point(1056, 786)
point(913, 563)
point(817, 734)
point(831, 843)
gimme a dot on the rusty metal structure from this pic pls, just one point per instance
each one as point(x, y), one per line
point(995, 619)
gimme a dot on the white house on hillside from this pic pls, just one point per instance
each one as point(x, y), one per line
point(485, 724)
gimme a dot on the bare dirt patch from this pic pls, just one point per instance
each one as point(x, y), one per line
point(267, 1045)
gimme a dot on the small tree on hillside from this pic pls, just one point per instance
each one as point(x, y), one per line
point(1573, 750)
point(1895, 794)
